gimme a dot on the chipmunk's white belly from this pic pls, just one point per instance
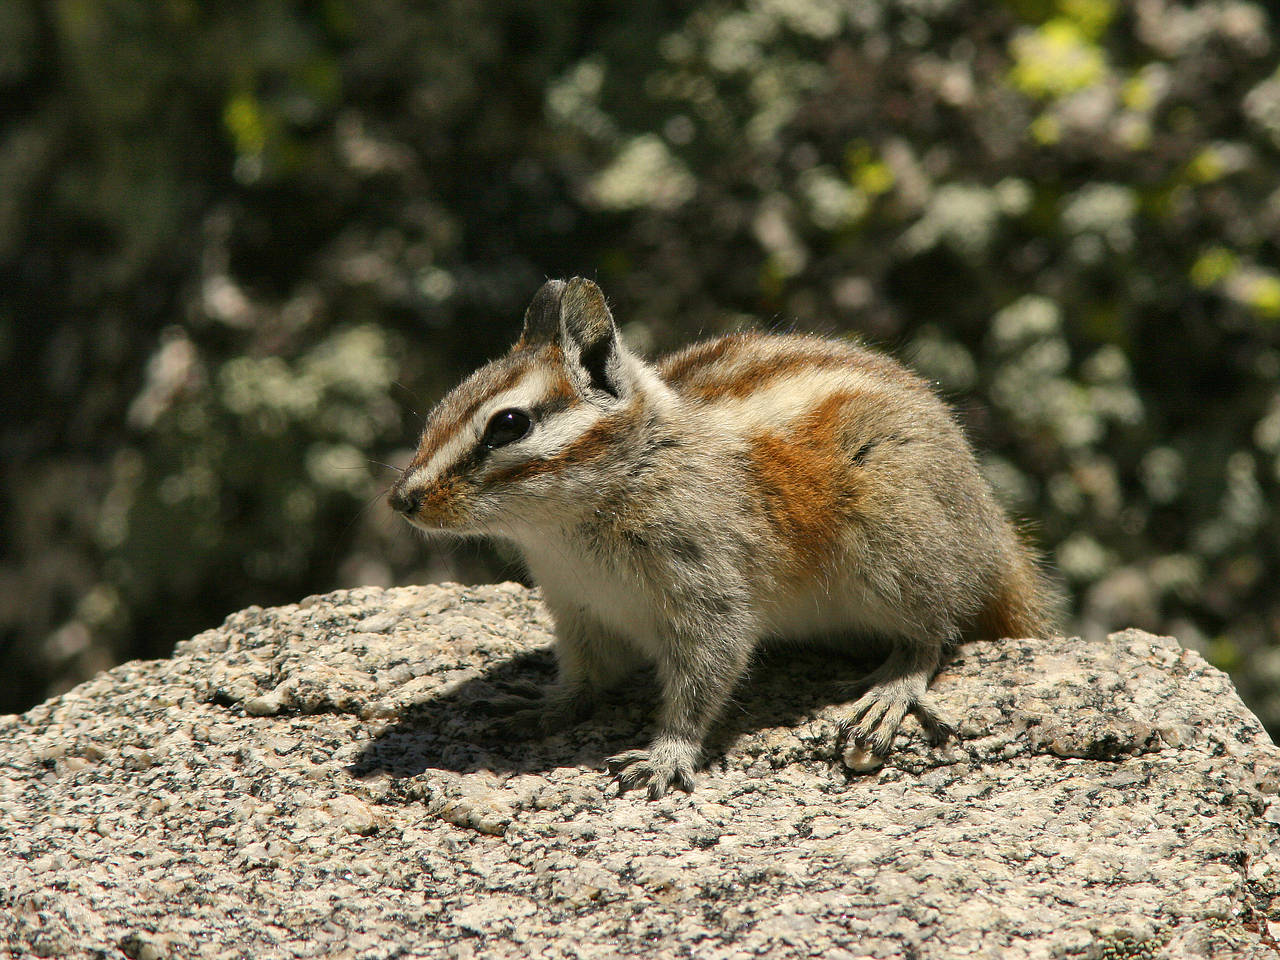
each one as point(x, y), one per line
point(615, 600)
point(844, 607)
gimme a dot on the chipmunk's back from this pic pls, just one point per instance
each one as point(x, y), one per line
point(761, 380)
point(842, 447)
point(740, 363)
point(830, 403)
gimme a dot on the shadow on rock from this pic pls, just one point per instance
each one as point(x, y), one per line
point(455, 731)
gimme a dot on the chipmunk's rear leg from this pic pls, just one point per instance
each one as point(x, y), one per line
point(898, 687)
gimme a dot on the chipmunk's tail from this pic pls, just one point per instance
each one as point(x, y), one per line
point(1024, 603)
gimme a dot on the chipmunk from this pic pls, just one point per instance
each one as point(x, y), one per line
point(749, 487)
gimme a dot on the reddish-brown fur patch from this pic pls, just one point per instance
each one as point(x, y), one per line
point(442, 502)
point(1021, 606)
point(808, 485)
point(561, 392)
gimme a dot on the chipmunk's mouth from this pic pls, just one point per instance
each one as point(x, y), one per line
point(422, 524)
point(435, 525)
point(416, 506)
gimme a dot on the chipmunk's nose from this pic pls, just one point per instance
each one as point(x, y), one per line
point(403, 501)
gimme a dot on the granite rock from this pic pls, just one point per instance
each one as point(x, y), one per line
point(322, 780)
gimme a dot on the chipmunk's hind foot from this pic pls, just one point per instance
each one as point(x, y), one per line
point(896, 688)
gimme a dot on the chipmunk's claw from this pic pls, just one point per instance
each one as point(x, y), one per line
point(527, 723)
point(866, 736)
point(660, 768)
point(523, 689)
point(537, 714)
point(936, 730)
point(509, 703)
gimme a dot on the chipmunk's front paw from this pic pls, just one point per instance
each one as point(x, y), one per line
point(667, 764)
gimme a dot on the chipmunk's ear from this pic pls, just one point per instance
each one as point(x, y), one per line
point(574, 314)
point(589, 337)
point(542, 318)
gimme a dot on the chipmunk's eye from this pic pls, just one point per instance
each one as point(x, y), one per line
point(505, 426)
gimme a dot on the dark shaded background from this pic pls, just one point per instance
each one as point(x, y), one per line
point(243, 246)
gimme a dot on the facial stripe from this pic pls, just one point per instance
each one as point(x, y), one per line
point(445, 426)
point(561, 397)
point(451, 445)
point(597, 440)
point(536, 387)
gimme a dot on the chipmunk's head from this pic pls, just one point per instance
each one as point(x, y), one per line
point(527, 439)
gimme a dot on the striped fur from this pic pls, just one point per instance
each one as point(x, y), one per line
point(749, 487)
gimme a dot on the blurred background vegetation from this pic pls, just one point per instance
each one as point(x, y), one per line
point(244, 246)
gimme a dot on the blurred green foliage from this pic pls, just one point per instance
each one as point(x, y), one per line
point(244, 246)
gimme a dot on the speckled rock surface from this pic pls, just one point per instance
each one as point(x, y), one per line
point(319, 780)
